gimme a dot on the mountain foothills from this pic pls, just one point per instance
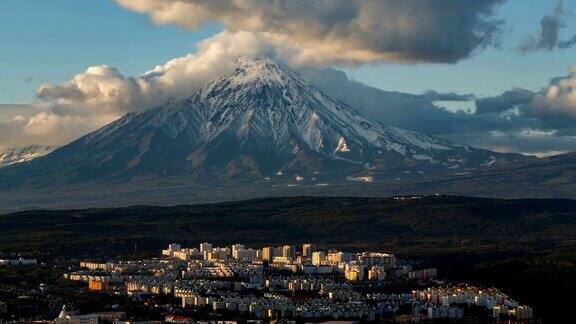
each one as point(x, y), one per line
point(407, 222)
point(261, 128)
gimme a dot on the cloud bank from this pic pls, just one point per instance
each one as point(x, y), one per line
point(36, 123)
point(342, 31)
point(518, 120)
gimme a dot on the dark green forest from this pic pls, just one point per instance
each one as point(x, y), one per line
point(525, 247)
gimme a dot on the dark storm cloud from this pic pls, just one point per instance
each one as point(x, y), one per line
point(346, 31)
point(450, 96)
point(506, 101)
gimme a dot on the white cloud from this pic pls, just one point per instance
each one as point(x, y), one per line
point(37, 124)
point(105, 90)
point(559, 99)
point(101, 94)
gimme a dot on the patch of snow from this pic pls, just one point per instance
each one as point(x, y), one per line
point(421, 157)
point(489, 162)
point(342, 146)
point(360, 179)
point(24, 154)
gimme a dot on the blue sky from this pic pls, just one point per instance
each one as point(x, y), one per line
point(50, 41)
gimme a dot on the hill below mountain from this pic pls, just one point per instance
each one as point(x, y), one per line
point(339, 221)
point(550, 177)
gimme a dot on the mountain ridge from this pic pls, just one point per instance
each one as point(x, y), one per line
point(259, 122)
point(24, 154)
point(259, 131)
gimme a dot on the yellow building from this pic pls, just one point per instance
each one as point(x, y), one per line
point(97, 284)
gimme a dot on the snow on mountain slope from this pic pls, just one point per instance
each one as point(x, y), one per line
point(23, 154)
point(260, 122)
point(262, 101)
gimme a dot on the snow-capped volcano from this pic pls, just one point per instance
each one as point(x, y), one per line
point(260, 123)
point(268, 107)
